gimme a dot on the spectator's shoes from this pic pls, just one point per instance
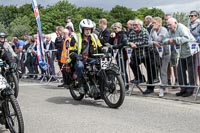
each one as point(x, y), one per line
point(169, 82)
point(175, 87)
point(40, 78)
point(180, 93)
point(156, 81)
point(62, 85)
point(35, 77)
point(187, 94)
point(53, 79)
point(148, 91)
point(137, 81)
point(161, 93)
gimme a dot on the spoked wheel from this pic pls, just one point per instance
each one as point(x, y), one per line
point(74, 91)
point(114, 90)
point(13, 115)
point(14, 83)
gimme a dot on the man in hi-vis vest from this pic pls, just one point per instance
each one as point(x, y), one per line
point(82, 47)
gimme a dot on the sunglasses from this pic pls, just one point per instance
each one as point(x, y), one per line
point(190, 16)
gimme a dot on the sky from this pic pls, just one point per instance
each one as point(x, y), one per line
point(168, 6)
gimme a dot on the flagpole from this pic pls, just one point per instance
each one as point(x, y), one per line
point(40, 47)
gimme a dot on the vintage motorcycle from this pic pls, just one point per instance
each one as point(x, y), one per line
point(101, 80)
point(11, 76)
point(10, 113)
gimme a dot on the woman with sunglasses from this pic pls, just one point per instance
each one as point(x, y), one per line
point(118, 39)
point(194, 26)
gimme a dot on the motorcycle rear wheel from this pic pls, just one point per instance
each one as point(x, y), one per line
point(74, 91)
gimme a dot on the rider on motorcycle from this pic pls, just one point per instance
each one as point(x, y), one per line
point(6, 52)
point(82, 47)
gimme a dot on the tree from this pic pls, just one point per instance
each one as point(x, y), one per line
point(122, 14)
point(181, 17)
point(154, 12)
point(20, 20)
point(2, 28)
point(7, 14)
point(55, 15)
point(25, 10)
point(20, 26)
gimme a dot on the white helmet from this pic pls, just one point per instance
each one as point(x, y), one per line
point(85, 23)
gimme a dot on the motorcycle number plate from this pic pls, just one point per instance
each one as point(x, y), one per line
point(104, 63)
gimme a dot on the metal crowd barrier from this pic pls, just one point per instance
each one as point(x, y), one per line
point(150, 63)
point(57, 75)
point(150, 66)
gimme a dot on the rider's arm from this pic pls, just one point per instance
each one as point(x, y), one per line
point(9, 55)
point(73, 47)
point(9, 49)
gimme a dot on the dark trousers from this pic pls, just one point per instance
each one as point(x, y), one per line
point(35, 65)
point(151, 68)
point(66, 76)
point(125, 70)
point(50, 62)
point(187, 65)
point(29, 63)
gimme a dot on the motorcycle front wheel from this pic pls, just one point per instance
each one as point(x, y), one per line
point(13, 115)
point(114, 90)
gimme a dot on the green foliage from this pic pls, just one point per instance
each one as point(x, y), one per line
point(19, 20)
point(181, 17)
point(2, 28)
point(91, 13)
point(25, 10)
point(154, 12)
point(55, 15)
point(7, 14)
point(122, 14)
point(20, 26)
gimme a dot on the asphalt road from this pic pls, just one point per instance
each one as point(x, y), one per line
point(49, 109)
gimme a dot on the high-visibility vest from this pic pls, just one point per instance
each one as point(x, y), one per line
point(78, 46)
point(65, 52)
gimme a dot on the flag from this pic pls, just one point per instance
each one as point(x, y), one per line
point(40, 47)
